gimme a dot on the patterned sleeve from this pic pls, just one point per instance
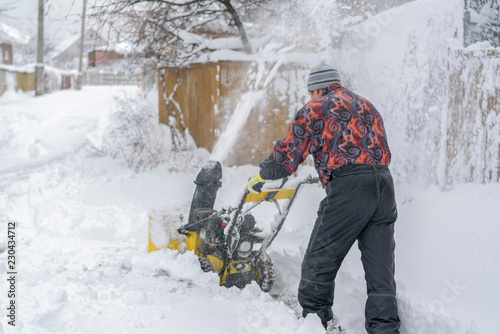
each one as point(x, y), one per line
point(290, 152)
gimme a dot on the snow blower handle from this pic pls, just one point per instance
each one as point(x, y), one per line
point(311, 180)
point(297, 185)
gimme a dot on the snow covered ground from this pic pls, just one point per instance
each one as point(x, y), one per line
point(81, 249)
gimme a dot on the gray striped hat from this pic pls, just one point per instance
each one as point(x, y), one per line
point(322, 76)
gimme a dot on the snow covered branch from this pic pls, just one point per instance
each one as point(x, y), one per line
point(170, 32)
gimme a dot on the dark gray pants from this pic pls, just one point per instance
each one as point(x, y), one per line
point(359, 205)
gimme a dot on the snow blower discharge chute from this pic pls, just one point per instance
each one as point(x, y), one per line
point(227, 241)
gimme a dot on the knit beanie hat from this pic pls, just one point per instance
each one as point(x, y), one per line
point(322, 76)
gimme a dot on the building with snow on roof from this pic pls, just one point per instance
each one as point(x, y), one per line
point(66, 55)
point(10, 38)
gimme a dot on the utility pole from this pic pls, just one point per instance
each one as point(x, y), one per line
point(39, 80)
point(467, 25)
point(79, 80)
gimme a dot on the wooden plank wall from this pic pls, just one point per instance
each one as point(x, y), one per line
point(473, 129)
point(208, 95)
point(23, 80)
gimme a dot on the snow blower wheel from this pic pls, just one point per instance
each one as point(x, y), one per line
point(207, 265)
point(265, 273)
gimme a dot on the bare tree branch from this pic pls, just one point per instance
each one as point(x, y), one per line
point(192, 16)
point(238, 23)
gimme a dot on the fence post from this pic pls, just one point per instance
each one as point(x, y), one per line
point(82, 37)
point(39, 80)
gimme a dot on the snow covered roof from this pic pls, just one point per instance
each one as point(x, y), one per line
point(12, 35)
point(233, 43)
point(64, 45)
point(123, 47)
point(91, 37)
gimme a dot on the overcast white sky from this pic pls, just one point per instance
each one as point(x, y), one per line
point(62, 17)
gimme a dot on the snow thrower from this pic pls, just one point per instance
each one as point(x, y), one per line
point(227, 241)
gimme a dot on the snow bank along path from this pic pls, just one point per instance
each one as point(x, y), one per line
point(83, 265)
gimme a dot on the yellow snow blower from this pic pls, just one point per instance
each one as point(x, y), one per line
point(227, 241)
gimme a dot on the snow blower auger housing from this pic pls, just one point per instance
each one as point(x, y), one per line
point(227, 241)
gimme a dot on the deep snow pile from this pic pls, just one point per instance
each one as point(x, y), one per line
point(82, 237)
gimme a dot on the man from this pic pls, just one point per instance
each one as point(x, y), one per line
point(346, 137)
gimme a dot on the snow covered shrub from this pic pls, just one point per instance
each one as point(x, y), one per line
point(52, 78)
point(136, 137)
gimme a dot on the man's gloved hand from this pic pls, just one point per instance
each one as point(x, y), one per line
point(255, 184)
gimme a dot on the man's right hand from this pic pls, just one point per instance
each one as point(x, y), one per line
point(255, 184)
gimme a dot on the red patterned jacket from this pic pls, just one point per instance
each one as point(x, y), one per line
point(338, 128)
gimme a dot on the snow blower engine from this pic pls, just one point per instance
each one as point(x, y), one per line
point(227, 241)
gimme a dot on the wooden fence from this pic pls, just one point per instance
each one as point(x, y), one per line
point(204, 97)
point(473, 129)
point(108, 79)
point(10, 77)
point(24, 81)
